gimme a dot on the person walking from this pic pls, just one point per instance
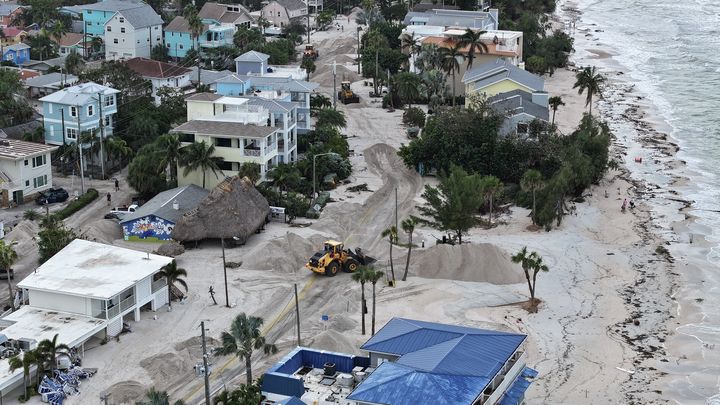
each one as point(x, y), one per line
point(108, 199)
point(117, 185)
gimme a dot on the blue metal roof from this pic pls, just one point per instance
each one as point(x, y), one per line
point(438, 363)
point(515, 394)
point(292, 401)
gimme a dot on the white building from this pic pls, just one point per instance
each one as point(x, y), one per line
point(133, 32)
point(161, 74)
point(24, 170)
point(85, 290)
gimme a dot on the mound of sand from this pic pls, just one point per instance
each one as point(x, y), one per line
point(166, 368)
point(171, 249)
point(126, 392)
point(23, 234)
point(481, 262)
point(102, 230)
point(286, 254)
point(193, 346)
point(332, 341)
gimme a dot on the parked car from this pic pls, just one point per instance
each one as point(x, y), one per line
point(124, 209)
point(4, 274)
point(52, 195)
point(113, 215)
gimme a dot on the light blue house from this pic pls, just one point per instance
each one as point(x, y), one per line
point(69, 112)
point(179, 41)
point(17, 53)
point(252, 62)
point(97, 14)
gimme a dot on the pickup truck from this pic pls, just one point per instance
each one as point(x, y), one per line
point(119, 212)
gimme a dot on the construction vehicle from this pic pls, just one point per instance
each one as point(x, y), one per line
point(310, 52)
point(334, 257)
point(346, 95)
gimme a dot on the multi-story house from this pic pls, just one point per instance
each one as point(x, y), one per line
point(16, 53)
point(96, 15)
point(132, 33)
point(70, 112)
point(73, 42)
point(317, 5)
point(281, 13)
point(8, 13)
point(12, 36)
point(160, 74)
point(233, 15)
point(241, 131)
point(24, 170)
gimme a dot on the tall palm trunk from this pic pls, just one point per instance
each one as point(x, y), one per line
point(553, 118)
point(377, 56)
point(362, 305)
point(392, 268)
point(407, 261)
point(534, 213)
point(10, 289)
point(169, 284)
point(590, 102)
point(453, 75)
point(490, 211)
point(203, 178)
point(248, 370)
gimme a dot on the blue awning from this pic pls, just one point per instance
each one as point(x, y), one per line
point(515, 394)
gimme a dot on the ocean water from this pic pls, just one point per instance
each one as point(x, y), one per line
point(670, 51)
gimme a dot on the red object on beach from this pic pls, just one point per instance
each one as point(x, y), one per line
point(638, 159)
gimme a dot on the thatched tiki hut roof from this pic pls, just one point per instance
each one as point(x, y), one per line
point(232, 209)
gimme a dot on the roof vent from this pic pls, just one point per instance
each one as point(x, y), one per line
point(176, 205)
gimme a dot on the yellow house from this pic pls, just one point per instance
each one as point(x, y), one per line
point(499, 76)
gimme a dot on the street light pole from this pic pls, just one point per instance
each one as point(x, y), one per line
point(314, 176)
point(334, 65)
point(206, 372)
point(359, 30)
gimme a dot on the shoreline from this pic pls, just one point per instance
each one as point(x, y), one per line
point(670, 221)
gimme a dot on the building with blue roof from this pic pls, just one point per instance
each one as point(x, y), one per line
point(411, 362)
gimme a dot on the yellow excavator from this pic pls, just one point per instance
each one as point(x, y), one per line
point(334, 257)
point(346, 95)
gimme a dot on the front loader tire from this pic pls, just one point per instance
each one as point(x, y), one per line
point(332, 269)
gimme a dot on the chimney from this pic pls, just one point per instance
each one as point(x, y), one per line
point(540, 98)
point(176, 205)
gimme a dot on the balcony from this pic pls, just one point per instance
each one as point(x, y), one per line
point(252, 152)
point(115, 310)
point(158, 285)
point(281, 145)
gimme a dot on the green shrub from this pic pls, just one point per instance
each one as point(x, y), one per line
point(76, 205)
point(414, 117)
point(30, 215)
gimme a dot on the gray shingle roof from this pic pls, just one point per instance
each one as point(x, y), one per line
point(495, 71)
point(7, 9)
point(188, 198)
point(141, 17)
point(252, 56)
point(110, 5)
point(223, 128)
point(208, 76)
point(278, 83)
point(178, 24)
point(517, 102)
point(79, 95)
point(273, 105)
point(51, 79)
point(204, 97)
point(292, 4)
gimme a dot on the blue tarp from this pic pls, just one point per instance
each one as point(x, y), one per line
point(292, 401)
point(515, 394)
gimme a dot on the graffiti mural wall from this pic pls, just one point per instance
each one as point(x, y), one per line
point(149, 228)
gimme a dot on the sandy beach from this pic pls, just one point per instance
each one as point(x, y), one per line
point(601, 332)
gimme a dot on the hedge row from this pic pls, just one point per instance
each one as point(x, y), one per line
point(76, 205)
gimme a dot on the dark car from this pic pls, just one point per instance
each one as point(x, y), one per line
point(52, 195)
point(112, 215)
point(4, 274)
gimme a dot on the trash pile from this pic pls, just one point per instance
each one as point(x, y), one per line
point(63, 384)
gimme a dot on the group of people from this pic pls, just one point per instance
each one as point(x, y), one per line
point(625, 204)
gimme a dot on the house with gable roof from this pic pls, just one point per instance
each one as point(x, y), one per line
point(132, 32)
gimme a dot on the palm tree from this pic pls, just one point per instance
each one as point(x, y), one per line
point(588, 79)
point(172, 274)
point(328, 117)
point(285, 176)
point(392, 235)
point(58, 30)
point(532, 181)
point(196, 26)
point(430, 58)
point(361, 276)
point(309, 65)
point(117, 148)
point(377, 40)
point(408, 44)
point(373, 276)
point(155, 397)
point(169, 147)
point(491, 186)
point(408, 225)
point(199, 156)
point(450, 63)
point(530, 262)
point(29, 359)
point(243, 339)
point(251, 170)
point(74, 63)
point(435, 87)
point(48, 350)
point(7, 258)
point(408, 86)
point(473, 40)
point(555, 102)
point(318, 102)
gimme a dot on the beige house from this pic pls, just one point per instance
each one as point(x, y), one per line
point(281, 12)
point(24, 170)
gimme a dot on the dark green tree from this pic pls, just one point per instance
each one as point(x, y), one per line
point(243, 339)
point(199, 156)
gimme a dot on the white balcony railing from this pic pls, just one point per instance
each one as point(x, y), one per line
point(252, 152)
point(158, 285)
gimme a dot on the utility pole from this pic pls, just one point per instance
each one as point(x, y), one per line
point(62, 123)
point(396, 210)
point(206, 372)
point(308, 24)
point(297, 314)
point(359, 30)
point(102, 136)
point(77, 140)
point(104, 398)
point(227, 296)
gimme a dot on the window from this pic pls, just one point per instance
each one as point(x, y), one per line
point(122, 29)
point(522, 128)
point(39, 181)
point(71, 133)
point(73, 111)
point(122, 20)
point(109, 100)
point(157, 39)
point(180, 46)
point(115, 40)
point(225, 165)
point(186, 138)
point(26, 162)
point(90, 110)
point(50, 108)
point(157, 27)
point(168, 45)
point(108, 121)
point(109, 28)
point(27, 183)
point(39, 160)
point(224, 142)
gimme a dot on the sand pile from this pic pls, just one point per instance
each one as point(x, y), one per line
point(480, 262)
point(126, 392)
point(287, 254)
point(102, 230)
point(171, 249)
point(332, 341)
point(23, 234)
point(193, 346)
point(166, 367)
